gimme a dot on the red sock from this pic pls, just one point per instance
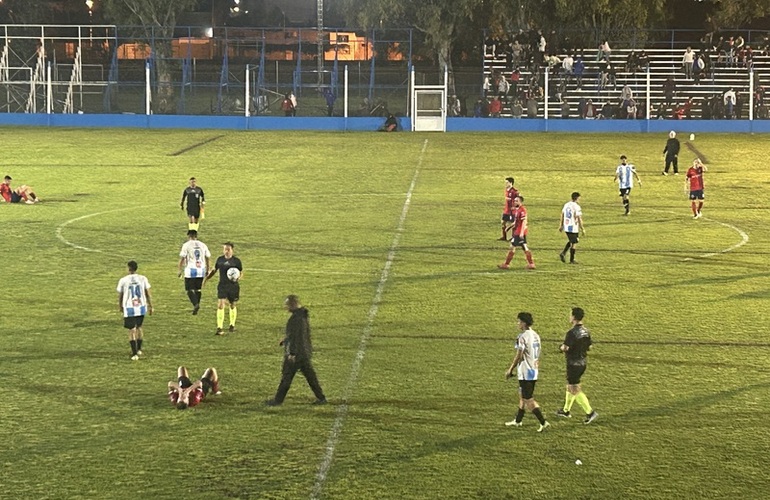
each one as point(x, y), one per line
point(509, 257)
point(700, 205)
point(528, 255)
point(694, 212)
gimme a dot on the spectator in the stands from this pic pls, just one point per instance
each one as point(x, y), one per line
point(669, 91)
point(515, 77)
point(565, 108)
point(611, 76)
point(604, 51)
point(729, 100)
point(502, 86)
point(487, 85)
point(567, 66)
point(632, 63)
point(688, 59)
point(630, 108)
point(517, 109)
point(531, 107)
point(589, 112)
point(495, 107)
point(643, 60)
point(578, 69)
point(626, 94)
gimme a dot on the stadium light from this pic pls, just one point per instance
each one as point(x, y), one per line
point(210, 32)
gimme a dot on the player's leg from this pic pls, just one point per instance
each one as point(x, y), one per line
point(668, 165)
point(288, 370)
point(233, 298)
point(182, 372)
point(221, 315)
point(700, 204)
point(528, 255)
point(189, 289)
point(508, 258)
point(132, 343)
point(693, 206)
point(504, 223)
point(675, 163)
point(306, 367)
point(210, 378)
point(139, 335)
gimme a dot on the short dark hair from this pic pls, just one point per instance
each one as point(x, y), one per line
point(578, 313)
point(526, 318)
point(520, 197)
point(292, 301)
point(229, 244)
point(192, 232)
point(8, 178)
point(192, 178)
point(509, 179)
point(132, 266)
point(575, 196)
point(623, 157)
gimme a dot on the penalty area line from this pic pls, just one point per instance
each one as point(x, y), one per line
point(342, 410)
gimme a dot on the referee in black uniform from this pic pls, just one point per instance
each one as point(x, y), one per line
point(672, 153)
point(228, 289)
point(195, 202)
point(576, 344)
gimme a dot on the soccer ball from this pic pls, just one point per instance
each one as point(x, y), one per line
point(233, 274)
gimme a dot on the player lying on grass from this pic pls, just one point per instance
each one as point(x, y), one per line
point(185, 393)
point(22, 193)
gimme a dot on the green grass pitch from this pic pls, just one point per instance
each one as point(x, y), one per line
point(678, 308)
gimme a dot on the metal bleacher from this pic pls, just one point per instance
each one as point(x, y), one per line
point(663, 63)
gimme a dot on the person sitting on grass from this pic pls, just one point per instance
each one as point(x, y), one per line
point(391, 124)
point(20, 194)
point(185, 393)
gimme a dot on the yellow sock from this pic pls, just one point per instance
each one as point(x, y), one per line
point(568, 400)
point(582, 400)
point(190, 226)
point(233, 315)
point(220, 318)
point(195, 225)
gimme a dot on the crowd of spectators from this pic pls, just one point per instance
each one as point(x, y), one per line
point(518, 89)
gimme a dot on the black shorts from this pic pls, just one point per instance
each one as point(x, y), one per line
point(15, 198)
point(519, 241)
point(194, 212)
point(208, 385)
point(527, 388)
point(193, 283)
point(132, 322)
point(184, 382)
point(573, 238)
point(696, 195)
point(625, 191)
point(230, 291)
point(574, 372)
point(507, 218)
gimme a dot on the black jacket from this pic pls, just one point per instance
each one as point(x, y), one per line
point(297, 341)
point(672, 147)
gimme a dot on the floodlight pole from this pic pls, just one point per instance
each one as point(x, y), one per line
point(247, 106)
point(345, 114)
point(147, 97)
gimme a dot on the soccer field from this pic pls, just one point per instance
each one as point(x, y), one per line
point(390, 240)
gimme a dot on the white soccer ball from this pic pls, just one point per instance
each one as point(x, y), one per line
point(233, 274)
point(692, 137)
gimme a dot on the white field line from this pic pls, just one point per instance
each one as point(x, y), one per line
point(304, 271)
point(61, 227)
point(342, 409)
point(744, 240)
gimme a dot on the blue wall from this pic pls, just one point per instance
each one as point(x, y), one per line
point(371, 124)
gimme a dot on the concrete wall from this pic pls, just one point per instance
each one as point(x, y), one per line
point(371, 124)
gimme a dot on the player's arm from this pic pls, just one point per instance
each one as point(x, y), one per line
point(203, 197)
point(120, 301)
point(184, 195)
point(173, 386)
point(516, 360)
point(637, 177)
point(561, 222)
point(686, 183)
point(149, 300)
point(212, 272)
point(579, 219)
point(180, 267)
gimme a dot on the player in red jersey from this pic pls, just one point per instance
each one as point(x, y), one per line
point(5, 189)
point(185, 393)
point(507, 219)
point(693, 182)
point(520, 229)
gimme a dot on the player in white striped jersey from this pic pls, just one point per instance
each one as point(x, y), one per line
point(571, 223)
point(526, 363)
point(134, 301)
point(195, 261)
point(625, 174)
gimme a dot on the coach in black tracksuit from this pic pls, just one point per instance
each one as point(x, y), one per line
point(672, 153)
point(297, 353)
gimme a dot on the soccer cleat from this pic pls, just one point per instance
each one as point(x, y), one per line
point(695, 216)
point(563, 413)
point(272, 402)
point(664, 173)
point(139, 352)
point(503, 266)
point(591, 417)
point(513, 423)
point(135, 357)
point(573, 262)
point(196, 309)
point(543, 426)
point(676, 173)
point(231, 329)
point(530, 266)
point(561, 257)
point(220, 332)
point(320, 401)
point(502, 238)
point(700, 215)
